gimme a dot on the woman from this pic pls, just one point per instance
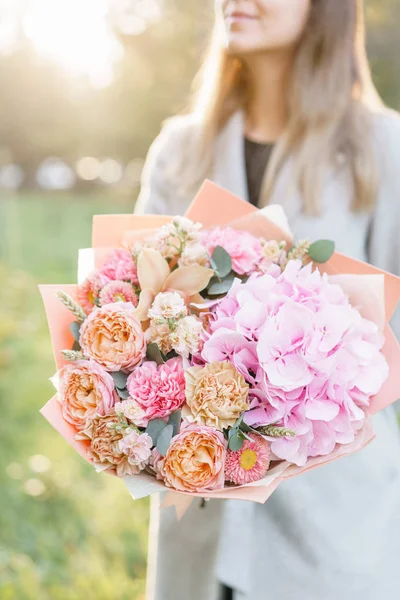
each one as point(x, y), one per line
point(288, 114)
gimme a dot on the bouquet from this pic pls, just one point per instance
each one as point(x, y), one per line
point(212, 355)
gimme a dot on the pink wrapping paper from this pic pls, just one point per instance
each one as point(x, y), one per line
point(215, 206)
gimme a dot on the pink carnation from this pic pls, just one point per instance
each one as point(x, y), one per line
point(89, 291)
point(118, 291)
point(244, 249)
point(158, 390)
point(250, 463)
point(137, 447)
point(120, 266)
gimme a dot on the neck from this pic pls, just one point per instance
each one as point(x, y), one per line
point(266, 111)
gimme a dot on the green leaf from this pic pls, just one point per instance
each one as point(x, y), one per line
point(75, 330)
point(222, 261)
point(217, 288)
point(155, 428)
point(120, 379)
point(321, 251)
point(175, 421)
point(122, 393)
point(213, 264)
point(154, 353)
point(170, 355)
point(235, 441)
point(164, 439)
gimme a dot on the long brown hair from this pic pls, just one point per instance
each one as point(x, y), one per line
point(329, 102)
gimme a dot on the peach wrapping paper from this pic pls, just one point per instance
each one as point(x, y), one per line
point(374, 292)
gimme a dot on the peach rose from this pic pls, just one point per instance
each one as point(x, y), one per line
point(85, 389)
point(113, 447)
point(195, 460)
point(216, 395)
point(113, 337)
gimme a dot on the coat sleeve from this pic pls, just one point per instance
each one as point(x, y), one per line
point(155, 193)
point(384, 242)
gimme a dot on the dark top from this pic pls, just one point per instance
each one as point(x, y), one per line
point(256, 159)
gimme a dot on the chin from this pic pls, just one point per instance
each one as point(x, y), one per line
point(238, 45)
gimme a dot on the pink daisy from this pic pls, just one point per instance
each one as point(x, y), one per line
point(250, 463)
point(118, 291)
point(88, 292)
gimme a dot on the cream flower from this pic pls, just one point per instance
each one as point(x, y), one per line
point(216, 395)
point(168, 305)
point(187, 337)
point(160, 335)
point(272, 250)
point(194, 254)
point(132, 411)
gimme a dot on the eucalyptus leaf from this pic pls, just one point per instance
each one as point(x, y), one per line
point(175, 421)
point(321, 251)
point(75, 330)
point(213, 264)
point(244, 427)
point(164, 439)
point(123, 393)
point(235, 442)
point(155, 428)
point(170, 355)
point(217, 288)
point(154, 353)
point(222, 261)
point(232, 432)
point(120, 379)
point(76, 346)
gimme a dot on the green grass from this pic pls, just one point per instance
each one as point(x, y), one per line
point(66, 533)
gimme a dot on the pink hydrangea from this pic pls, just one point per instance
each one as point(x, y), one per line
point(314, 363)
point(244, 249)
point(118, 291)
point(119, 265)
point(250, 463)
point(159, 390)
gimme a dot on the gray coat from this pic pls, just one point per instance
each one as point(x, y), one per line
point(333, 533)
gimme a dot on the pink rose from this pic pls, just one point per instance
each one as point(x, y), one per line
point(158, 390)
point(112, 336)
point(85, 389)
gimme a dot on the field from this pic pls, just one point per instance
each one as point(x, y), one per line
point(66, 533)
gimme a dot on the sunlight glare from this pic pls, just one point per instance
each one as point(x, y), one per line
point(76, 35)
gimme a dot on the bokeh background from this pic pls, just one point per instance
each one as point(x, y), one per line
point(84, 87)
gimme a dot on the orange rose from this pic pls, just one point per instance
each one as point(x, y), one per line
point(112, 336)
point(195, 460)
